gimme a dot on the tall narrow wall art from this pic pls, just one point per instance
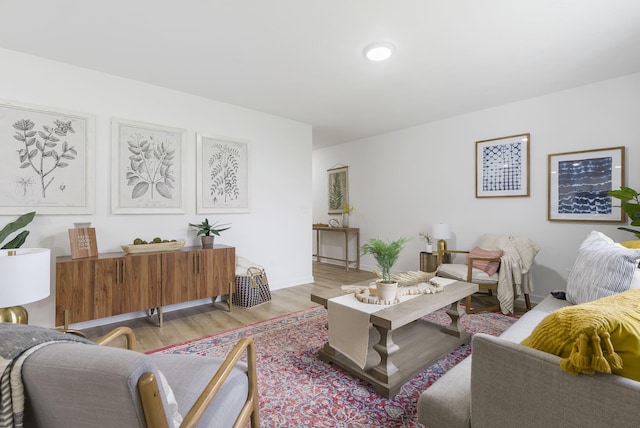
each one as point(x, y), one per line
point(222, 174)
point(338, 189)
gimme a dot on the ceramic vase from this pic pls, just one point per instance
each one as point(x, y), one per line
point(207, 241)
point(345, 220)
point(386, 292)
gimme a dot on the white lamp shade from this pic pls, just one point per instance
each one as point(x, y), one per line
point(441, 231)
point(24, 277)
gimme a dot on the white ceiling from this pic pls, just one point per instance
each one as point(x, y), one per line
point(302, 59)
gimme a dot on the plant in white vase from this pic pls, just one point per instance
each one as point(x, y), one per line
point(386, 255)
point(429, 240)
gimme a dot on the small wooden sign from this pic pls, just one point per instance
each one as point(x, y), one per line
point(83, 242)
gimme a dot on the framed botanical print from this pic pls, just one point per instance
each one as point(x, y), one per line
point(147, 168)
point(222, 174)
point(579, 182)
point(46, 160)
point(502, 167)
point(338, 189)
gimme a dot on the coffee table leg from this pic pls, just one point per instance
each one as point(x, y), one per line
point(386, 371)
point(455, 311)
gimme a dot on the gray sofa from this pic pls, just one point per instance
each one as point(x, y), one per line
point(505, 384)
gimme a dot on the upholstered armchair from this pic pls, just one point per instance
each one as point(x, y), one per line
point(499, 264)
point(71, 384)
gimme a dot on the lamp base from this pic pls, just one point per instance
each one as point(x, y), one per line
point(442, 247)
point(14, 314)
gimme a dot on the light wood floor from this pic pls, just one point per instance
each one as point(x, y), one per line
point(192, 323)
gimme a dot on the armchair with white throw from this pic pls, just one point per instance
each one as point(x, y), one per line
point(499, 263)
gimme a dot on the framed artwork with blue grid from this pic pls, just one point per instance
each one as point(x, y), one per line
point(502, 167)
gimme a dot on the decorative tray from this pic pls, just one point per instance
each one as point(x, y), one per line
point(148, 248)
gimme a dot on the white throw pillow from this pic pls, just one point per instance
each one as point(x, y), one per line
point(602, 268)
point(171, 400)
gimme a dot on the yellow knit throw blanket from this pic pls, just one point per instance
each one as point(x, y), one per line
point(599, 336)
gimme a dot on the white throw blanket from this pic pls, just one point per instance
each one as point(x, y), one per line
point(514, 276)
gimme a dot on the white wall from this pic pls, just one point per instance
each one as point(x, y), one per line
point(403, 182)
point(276, 231)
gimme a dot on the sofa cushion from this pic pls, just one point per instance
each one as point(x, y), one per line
point(599, 336)
point(489, 267)
point(602, 268)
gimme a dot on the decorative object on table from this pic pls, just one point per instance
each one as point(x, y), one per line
point(338, 189)
point(206, 231)
point(441, 232)
point(346, 213)
point(222, 174)
point(428, 240)
point(15, 226)
point(252, 286)
point(334, 222)
point(630, 204)
point(579, 185)
point(409, 277)
point(148, 168)
point(153, 246)
point(47, 160)
point(82, 242)
point(369, 294)
point(502, 167)
point(25, 279)
point(386, 255)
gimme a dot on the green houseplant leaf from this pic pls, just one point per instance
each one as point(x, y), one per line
point(13, 227)
point(207, 229)
point(630, 204)
point(385, 253)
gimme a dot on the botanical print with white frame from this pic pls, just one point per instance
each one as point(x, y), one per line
point(222, 174)
point(147, 168)
point(338, 189)
point(578, 184)
point(502, 167)
point(46, 161)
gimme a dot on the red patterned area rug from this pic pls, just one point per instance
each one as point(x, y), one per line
point(298, 390)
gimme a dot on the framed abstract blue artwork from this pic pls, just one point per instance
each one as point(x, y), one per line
point(502, 167)
point(579, 182)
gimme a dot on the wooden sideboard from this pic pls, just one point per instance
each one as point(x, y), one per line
point(117, 283)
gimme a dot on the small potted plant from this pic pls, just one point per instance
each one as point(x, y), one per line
point(207, 230)
point(429, 240)
point(346, 213)
point(630, 204)
point(386, 255)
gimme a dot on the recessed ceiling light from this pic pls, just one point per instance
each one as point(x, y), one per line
point(379, 51)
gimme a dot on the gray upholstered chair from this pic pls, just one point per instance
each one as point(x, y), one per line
point(71, 384)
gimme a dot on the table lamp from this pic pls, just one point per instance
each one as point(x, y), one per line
point(24, 278)
point(441, 231)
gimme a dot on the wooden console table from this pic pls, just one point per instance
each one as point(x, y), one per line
point(346, 231)
point(116, 283)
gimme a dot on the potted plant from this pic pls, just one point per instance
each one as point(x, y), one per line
point(630, 204)
point(346, 212)
point(429, 240)
point(386, 255)
point(207, 230)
